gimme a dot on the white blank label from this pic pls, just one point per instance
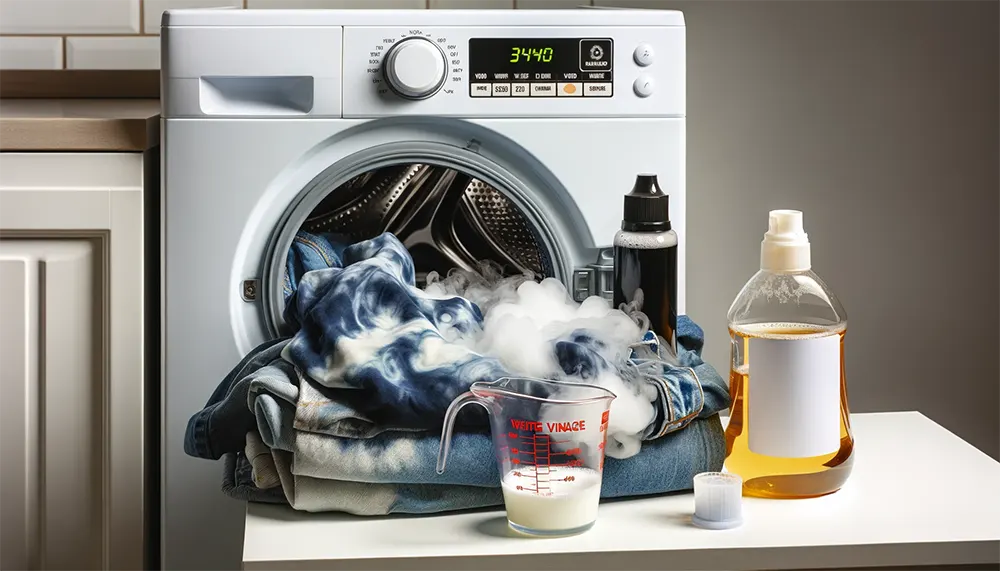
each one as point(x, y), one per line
point(794, 396)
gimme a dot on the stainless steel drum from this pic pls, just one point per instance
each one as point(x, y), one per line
point(445, 218)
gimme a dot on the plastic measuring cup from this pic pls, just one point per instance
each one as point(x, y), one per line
point(549, 439)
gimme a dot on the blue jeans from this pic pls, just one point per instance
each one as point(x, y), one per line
point(347, 412)
point(311, 252)
point(667, 464)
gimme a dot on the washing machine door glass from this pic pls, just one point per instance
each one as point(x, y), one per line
point(446, 205)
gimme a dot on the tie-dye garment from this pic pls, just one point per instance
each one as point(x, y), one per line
point(394, 471)
point(386, 355)
point(356, 398)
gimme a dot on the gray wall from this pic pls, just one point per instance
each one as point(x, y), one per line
point(879, 120)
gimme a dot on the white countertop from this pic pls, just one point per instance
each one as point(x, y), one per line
point(918, 495)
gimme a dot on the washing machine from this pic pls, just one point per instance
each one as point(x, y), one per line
point(504, 135)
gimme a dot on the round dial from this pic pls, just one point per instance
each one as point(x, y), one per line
point(415, 68)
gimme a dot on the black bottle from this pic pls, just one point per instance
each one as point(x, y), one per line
point(646, 257)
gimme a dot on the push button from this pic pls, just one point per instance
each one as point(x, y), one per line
point(543, 90)
point(570, 89)
point(519, 89)
point(595, 55)
point(643, 55)
point(643, 86)
point(482, 89)
point(597, 90)
point(501, 90)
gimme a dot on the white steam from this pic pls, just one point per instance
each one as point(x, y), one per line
point(522, 320)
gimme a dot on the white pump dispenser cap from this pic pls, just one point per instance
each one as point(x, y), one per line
point(786, 245)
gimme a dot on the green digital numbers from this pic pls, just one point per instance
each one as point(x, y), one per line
point(518, 54)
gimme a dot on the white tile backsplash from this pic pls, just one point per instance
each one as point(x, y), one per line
point(471, 4)
point(69, 17)
point(31, 53)
point(113, 53)
point(153, 10)
point(349, 4)
point(122, 34)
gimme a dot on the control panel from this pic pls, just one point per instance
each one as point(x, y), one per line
point(514, 72)
point(541, 67)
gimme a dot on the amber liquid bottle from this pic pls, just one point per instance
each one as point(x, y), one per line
point(789, 433)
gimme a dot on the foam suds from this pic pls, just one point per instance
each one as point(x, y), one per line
point(522, 319)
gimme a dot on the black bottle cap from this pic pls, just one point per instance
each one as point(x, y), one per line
point(647, 209)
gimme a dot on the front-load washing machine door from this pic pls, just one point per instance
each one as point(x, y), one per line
point(456, 196)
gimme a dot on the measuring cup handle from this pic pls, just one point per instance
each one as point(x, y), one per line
point(449, 424)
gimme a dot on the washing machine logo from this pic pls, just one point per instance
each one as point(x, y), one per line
point(595, 55)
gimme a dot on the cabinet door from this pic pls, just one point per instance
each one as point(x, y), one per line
point(75, 483)
point(52, 441)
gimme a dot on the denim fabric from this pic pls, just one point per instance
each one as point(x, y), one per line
point(410, 457)
point(394, 472)
point(265, 475)
point(310, 252)
point(351, 405)
point(361, 498)
point(237, 482)
point(386, 355)
point(222, 425)
point(664, 465)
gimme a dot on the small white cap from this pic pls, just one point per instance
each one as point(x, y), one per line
point(786, 245)
point(718, 500)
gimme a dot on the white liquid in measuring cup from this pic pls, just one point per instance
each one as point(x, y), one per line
point(566, 497)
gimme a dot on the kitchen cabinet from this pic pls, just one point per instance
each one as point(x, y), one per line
point(77, 388)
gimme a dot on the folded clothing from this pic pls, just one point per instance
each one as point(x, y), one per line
point(356, 397)
point(666, 465)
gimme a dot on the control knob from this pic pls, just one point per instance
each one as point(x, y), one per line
point(415, 68)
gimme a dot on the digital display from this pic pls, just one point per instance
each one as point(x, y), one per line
point(540, 67)
point(519, 54)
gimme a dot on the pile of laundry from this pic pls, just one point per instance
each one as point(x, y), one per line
point(345, 413)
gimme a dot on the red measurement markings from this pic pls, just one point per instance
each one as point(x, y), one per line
point(569, 479)
point(570, 463)
point(604, 440)
point(541, 451)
